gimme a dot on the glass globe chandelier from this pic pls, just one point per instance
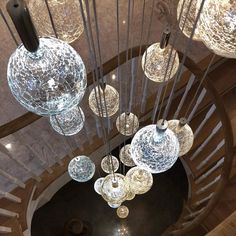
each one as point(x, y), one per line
point(183, 133)
point(140, 180)
point(125, 156)
point(122, 211)
point(155, 148)
point(127, 123)
point(98, 185)
point(113, 205)
point(109, 164)
point(68, 122)
point(104, 100)
point(81, 168)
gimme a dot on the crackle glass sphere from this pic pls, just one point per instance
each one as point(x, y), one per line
point(125, 156)
point(130, 196)
point(115, 188)
point(49, 81)
point(127, 123)
point(104, 102)
point(155, 148)
point(140, 180)
point(122, 211)
point(217, 26)
point(81, 168)
point(108, 162)
point(98, 185)
point(184, 135)
point(66, 14)
point(68, 122)
point(157, 62)
point(113, 205)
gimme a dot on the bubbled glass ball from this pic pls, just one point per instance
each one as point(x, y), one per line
point(104, 102)
point(130, 196)
point(109, 164)
point(125, 156)
point(49, 81)
point(81, 168)
point(113, 205)
point(155, 148)
point(127, 123)
point(157, 62)
point(115, 188)
point(98, 185)
point(122, 211)
point(140, 180)
point(68, 122)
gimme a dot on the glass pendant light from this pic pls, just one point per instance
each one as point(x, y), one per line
point(109, 163)
point(81, 168)
point(140, 180)
point(155, 148)
point(127, 123)
point(130, 196)
point(125, 156)
point(114, 205)
point(183, 133)
point(98, 185)
point(104, 100)
point(122, 211)
point(69, 122)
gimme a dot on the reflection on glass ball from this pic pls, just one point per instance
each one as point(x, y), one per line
point(140, 180)
point(68, 122)
point(130, 196)
point(66, 15)
point(122, 211)
point(217, 26)
point(114, 205)
point(115, 188)
point(104, 103)
point(125, 156)
point(155, 149)
point(157, 62)
point(184, 135)
point(49, 81)
point(81, 168)
point(108, 162)
point(98, 185)
point(127, 123)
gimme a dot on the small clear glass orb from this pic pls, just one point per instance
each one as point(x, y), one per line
point(127, 124)
point(157, 62)
point(115, 188)
point(184, 135)
point(155, 149)
point(114, 205)
point(68, 122)
point(104, 102)
point(140, 180)
point(122, 211)
point(98, 185)
point(125, 156)
point(130, 196)
point(81, 168)
point(109, 162)
point(49, 81)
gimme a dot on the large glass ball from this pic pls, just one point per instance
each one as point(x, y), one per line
point(104, 102)
point(109, 163)
point(68, 122)
point(217, 26)
point(127, 123)
point(49, 81)
point(125, 156)
point(140, 180)
point(122, 211)
point(115, 188)
point(81, 168)
point(113, 205)
point(184, 135)
point(155, 148)
point(98, 185)
point(157, 62)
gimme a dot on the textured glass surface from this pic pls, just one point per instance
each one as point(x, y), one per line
point(110, 104)
point(130, 196)
point(81, 168)
point(217, 26)
point(154, 150)
point(68, 122)
point(157, 62)
point(114, 205)
point(140, 180)
point(66, 14)
point(122, 211)
point(49, 81)
point(107, 163)
point(115, 188)
point(98, 185)
point(125, 156)
point(184, 135)
point(127, 124)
